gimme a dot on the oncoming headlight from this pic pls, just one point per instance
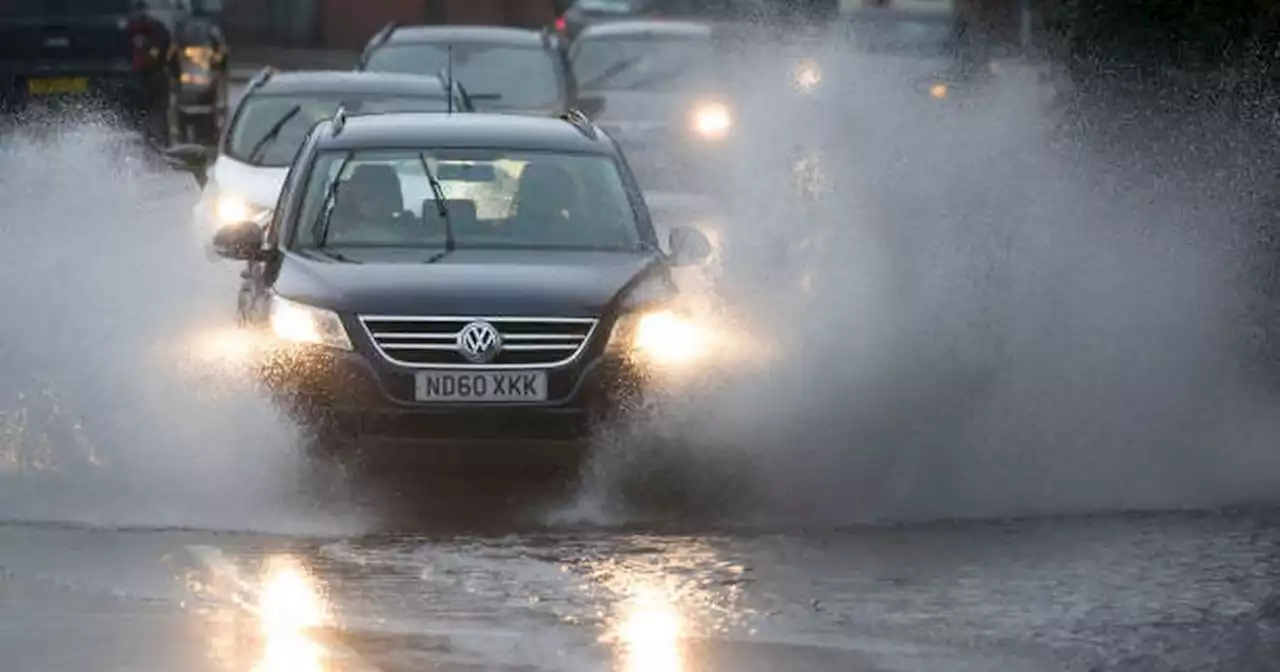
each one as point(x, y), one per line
point(806, 76)
point(659, 337)
point(230, 208)
point(711, 120)
point(299, 323)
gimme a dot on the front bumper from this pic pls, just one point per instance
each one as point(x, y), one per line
point(351, 394)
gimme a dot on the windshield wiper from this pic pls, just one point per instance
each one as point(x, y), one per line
point(330, 200)
point(273, 132)
point(610, 72)
point(443, 208)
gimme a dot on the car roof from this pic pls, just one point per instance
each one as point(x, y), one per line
point(465, 130)
point(652, 26)
point(874, 14)
point(463, 33)
point(352, 82)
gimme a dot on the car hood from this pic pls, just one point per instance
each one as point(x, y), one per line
point(260, 186)
point(546, 283)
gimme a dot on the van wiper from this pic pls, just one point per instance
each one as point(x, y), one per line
point(272, 133)
point(330, 200)
point(443, 208)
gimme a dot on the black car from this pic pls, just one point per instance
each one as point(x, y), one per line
point(511, 70)
point(162, 62)
point(462, 280)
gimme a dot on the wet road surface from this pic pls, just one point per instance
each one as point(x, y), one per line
point(1171, 592)
point(1118, 592)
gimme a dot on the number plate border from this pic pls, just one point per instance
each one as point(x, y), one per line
point(420, 377)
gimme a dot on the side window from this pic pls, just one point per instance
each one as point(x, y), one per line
point(291, 182)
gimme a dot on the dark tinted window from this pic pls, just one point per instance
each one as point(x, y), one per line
point(262, 113)
point(497, 76)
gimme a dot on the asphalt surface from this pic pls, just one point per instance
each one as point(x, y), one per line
point(1137, 593)
point(182, 553)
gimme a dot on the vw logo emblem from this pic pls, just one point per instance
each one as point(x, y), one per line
point(479, 342)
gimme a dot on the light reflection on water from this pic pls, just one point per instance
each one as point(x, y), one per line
point(267, 625)
point(649, 631)
point(290, 607)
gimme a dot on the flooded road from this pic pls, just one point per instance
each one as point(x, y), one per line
point(1160, 592)
point(131, 460)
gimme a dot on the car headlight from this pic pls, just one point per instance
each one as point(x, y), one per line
point(711, 120)
point(307, 325)
point(806, 76)
point(199, 56)
point(658, 337)
point(939, 91)
point(232, 209)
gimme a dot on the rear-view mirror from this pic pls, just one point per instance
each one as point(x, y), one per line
point(689, 246)
point(466, 172)
point(591, 106)
point(239, 242)
point(194, 159)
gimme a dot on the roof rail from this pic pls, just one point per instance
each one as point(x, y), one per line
point(581, 122)
point(380, 38)
point(264, 75)
point(339, 120)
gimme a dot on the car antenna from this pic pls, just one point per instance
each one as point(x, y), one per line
point(448, 72)
point(339, 119)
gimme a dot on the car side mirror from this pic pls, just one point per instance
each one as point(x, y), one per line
point(689, 246)
point(194, 159)
point(591, 106)
point(239, 242)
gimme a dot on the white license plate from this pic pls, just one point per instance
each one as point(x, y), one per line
point(481, 386)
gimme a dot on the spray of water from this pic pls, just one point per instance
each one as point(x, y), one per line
point(996, 326)
point(120, 400)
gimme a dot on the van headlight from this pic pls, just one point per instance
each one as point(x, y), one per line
point(711, 120)
point(302, 324)
point(659, 337)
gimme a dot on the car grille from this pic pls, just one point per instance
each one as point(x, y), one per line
point(526, 341)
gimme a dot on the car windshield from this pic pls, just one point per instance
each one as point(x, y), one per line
point(496, 76)
point(906, 36)
point(269, 128)
point(640, 63)
point(495, 199)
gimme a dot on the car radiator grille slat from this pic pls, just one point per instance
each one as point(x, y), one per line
point(526, 342)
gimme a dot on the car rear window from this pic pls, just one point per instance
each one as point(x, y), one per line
point(496, 76)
